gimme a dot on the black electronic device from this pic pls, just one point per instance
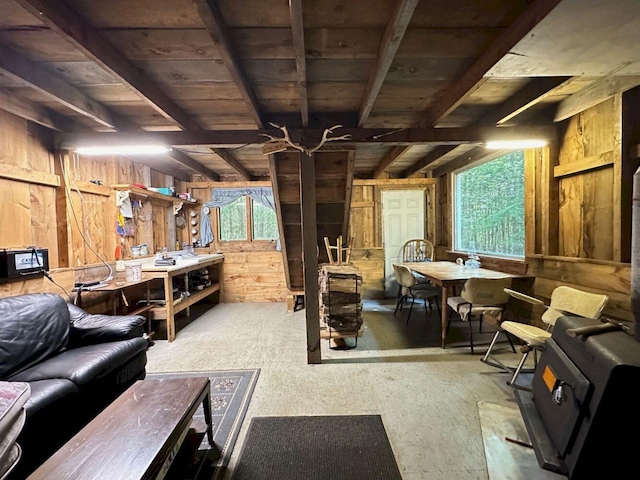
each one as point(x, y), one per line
point(16, 264)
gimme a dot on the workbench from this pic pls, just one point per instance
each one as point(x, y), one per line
point(212, 262)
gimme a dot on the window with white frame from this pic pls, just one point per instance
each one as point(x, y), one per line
point(489, 207)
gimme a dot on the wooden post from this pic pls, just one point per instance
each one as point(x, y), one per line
point(310, 255)
point(635, 255)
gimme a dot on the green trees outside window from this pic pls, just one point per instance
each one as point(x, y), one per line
point(233, 221)
point(265, 223)
point(489, 207)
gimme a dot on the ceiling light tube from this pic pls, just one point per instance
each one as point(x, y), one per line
point(123, 150)
point(514, 144)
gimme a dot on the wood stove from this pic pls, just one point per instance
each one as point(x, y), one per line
point(583, 410)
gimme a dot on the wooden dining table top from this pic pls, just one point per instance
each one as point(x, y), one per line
point(448, 275)
point(451, 272)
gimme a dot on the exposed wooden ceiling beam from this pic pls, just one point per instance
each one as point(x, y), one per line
point(297, 28)
point(29, 73)
point(151, 163)
point(391, 39)
point(531, 94)
point(474, 76)
point(528, 96)
point(215, 25)
point(33, 112)
point(467, 159)
point(594, 94)
point(395, 154)
point(236, 138)
point(66, 22)
point(227, 158)
point(190, 163)
point(428, 159)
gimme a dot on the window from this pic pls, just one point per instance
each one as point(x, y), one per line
point(489, 207)
point(235, 218)
point(264, 222)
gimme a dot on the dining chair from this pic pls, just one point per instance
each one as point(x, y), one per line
point(418, 250)
point(564, 300)
point(480, 297)
point(409, 287)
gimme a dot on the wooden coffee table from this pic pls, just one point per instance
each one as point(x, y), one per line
point(137, 436)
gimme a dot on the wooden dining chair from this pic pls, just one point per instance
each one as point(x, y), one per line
point(480, 297)
point(408, 287)
point(418, 250)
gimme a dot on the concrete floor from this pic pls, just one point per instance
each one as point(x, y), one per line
point(427, 397)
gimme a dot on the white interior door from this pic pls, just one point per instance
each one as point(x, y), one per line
point(402, 219)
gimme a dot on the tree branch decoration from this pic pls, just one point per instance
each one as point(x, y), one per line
point(302, 148)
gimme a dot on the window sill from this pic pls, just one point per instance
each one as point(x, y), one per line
point(517, 266)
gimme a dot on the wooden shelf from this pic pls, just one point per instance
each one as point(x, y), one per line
point(144, 193)
point(159, 313)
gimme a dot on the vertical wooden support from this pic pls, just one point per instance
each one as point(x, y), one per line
point(310, 255)
point(61, 160)
point(530, 171)
point(273, 174)
point(618, 171)
point(347, 194)
point(549, 201)
point(630, 165)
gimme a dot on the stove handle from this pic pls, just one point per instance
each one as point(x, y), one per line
point(558, 395)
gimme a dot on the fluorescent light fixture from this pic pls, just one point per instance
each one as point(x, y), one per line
point(514, 144)
point(123, 150)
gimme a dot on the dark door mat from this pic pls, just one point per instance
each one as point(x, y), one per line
point(350, 447)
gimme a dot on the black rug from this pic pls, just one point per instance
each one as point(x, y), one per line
point(351, 447)
point(231, 392)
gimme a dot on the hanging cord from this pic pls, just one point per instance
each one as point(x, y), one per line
point(75, 218)
point(34, 254)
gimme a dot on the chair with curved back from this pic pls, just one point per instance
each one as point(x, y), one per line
point(409, 287)
point(480, 297)
point(564, 300)
point(417, 250)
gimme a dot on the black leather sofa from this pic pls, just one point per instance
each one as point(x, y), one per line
point(75, 363)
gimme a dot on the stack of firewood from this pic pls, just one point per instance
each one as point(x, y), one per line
point(340, 300)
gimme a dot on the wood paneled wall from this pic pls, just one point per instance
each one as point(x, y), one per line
point(366, 224)
point(577, 203)
point(253, 277)
point(66, 204)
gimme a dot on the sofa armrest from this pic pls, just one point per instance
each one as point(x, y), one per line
point(87, 329)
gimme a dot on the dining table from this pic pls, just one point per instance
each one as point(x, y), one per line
point(448, 275)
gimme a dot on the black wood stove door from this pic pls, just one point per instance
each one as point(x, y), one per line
point(560, 393)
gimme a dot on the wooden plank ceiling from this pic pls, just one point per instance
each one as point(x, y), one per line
point(376, 67)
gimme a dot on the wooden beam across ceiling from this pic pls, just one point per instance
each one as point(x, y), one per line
point(190, 163)
point(29, 73)
point(593, 94)
point(60, 18)
point(237, 138)
point(531, 94)
point(474, 76)
point(393, 35)
point(218, 31)
point(228, 158)
point(33, 112)
point(468, 159)
point(297, 28)
point(395, 154)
